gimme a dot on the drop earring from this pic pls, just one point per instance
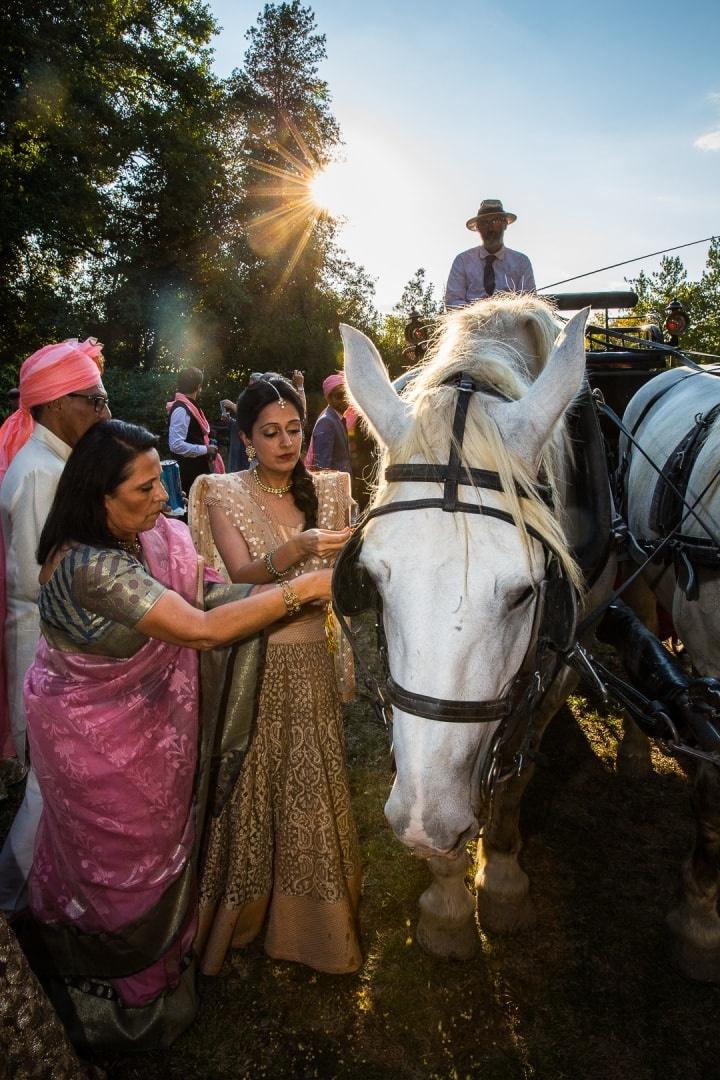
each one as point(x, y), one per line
point(250, 451)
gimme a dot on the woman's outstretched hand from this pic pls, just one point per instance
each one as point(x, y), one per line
point(323, 542)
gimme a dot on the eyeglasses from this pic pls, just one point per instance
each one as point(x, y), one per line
point(98, 401)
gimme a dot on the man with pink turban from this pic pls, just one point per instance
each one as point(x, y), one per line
point(61, 396)
point(329, 446)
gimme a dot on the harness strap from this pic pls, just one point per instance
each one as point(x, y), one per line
point(625, 463)
point(466, 386)
point(458, 712)
point(666, 509)
point(439, 504)
point(656, 397)
point(689, 510)
point(437, 474)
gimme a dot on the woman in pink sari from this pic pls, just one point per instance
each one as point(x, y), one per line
point(114, 708)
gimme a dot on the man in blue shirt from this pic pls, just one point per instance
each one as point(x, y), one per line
point(330, 446)
point(491, 267)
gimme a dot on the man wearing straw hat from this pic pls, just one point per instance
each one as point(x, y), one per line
point(61, 397)
point(491, 267)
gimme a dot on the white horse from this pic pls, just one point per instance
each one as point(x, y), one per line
point(459, 590)
point(663, 411)
point(460, 594)
point(659, 416)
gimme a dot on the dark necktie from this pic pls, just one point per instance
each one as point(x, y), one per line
point(489, 275)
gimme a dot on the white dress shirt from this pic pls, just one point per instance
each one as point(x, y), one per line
point(26, 496)
point(513, 273)
point(177, 436)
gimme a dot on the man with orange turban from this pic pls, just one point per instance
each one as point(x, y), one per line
point(61, 396)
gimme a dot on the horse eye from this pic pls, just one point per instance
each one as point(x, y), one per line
point(522, 598)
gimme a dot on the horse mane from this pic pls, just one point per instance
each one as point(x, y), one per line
point(482, 340)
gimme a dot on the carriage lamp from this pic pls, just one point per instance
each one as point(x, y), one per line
point(416, 336)
point(677, 321)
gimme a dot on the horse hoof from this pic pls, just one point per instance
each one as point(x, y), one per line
point(696, 964)
point(449, 943)
point(499, 916)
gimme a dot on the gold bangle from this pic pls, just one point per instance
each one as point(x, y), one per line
point(272, 570)
point(291, 598)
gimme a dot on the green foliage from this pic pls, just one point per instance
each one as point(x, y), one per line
point(137, 187)
point(418, 296)
point(140, 396)
point(281, 78)
point(82, 84)
point(701, 299)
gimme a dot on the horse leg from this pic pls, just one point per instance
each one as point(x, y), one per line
point(633, 755)
point(446, 927)
point(503, 887)
point(640, 597)
point(694, 920)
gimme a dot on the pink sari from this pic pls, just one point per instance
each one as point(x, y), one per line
point(114, 746)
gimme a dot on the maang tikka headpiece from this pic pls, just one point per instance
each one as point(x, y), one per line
point(270, 380)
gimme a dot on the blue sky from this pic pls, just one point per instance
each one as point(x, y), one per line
point(597, 124)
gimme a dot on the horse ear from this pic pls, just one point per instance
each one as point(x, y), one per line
point(527, 424)
point(370, 387)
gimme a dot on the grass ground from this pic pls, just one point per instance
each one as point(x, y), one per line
point(588, 994)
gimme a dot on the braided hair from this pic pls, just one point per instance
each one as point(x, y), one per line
point(265, 391)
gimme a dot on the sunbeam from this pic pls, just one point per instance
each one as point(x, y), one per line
point(290, 223)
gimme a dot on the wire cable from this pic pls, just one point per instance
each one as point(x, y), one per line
point(626, 262)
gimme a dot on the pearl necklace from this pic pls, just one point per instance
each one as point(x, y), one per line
point(279, 491)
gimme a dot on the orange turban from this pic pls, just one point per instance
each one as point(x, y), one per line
point(50, 373)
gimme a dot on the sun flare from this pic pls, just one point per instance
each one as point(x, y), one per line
point(330, 190)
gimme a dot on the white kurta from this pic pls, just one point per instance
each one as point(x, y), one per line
point(26, 496)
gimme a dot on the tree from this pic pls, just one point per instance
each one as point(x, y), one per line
point(281, 78)
point(163, 210)
point(705, 310)
point(418, 297)
point(297, 279)
point(83, 83)
point(700, 299)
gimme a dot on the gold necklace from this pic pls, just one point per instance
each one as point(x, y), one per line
point(132, 547)
point(269, 489)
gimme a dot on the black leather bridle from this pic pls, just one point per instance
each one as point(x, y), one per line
point(555, 614)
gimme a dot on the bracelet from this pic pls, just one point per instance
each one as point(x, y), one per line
point(291, 598)
point(272, 569)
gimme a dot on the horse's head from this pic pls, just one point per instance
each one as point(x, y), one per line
point(459, 589)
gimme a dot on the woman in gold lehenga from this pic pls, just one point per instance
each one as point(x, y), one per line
point(283, 845)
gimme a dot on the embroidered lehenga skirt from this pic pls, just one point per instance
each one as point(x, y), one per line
point(284, 847)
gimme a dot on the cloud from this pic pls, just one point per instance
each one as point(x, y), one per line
point(709, 141)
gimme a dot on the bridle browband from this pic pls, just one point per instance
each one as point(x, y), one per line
point(352, 588)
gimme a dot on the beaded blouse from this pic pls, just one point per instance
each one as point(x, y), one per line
point(250, 511)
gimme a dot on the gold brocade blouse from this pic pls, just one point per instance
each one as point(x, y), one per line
point(93, 601)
